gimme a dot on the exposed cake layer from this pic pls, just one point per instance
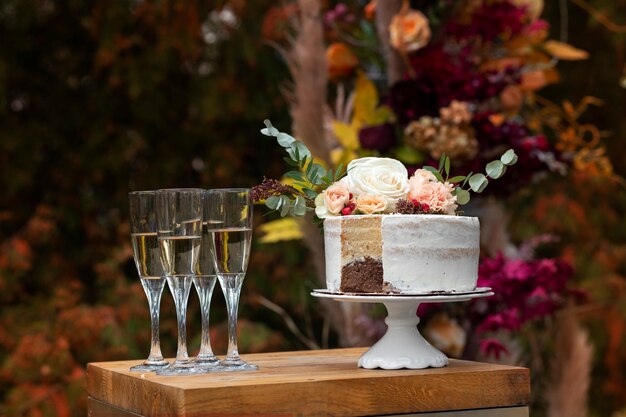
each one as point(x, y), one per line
point(414, 253)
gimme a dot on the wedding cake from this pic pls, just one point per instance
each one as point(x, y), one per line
point(400, 253)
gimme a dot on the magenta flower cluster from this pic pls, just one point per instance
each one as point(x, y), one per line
point(525, 290)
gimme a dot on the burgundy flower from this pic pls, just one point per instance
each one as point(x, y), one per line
point(378, 138)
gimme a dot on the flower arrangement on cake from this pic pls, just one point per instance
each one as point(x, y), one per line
point(385, 232)
point(370, 185)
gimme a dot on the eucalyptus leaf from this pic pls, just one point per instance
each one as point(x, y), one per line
point(285, 205)
point(462, 196)
point(299, 207)
point(269, 130)
point(273, 202)
point(495, 169)
point(478, 183)
point(284, 139)
point(509, 157)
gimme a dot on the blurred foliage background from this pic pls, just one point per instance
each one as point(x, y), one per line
point(100, 98)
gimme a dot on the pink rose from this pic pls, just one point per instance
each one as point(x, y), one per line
point(426, 190)
point(371, 203)
point(335, 197)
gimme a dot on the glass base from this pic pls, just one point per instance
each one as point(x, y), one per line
point(182, 368)
point(206, 360)
point(149, 366)
point(234, 365)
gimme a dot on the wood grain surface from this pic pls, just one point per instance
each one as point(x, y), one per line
point(310, 383)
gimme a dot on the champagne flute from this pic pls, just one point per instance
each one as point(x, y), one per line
point(179, 219)
point(230, 224)
point(204, 281)
point(146, 253)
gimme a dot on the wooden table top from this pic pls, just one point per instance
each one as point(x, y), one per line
point(310, 383)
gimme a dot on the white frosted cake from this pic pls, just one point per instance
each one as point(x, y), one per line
point(400, 253)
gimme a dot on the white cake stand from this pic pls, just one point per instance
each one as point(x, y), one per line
point(402, 345)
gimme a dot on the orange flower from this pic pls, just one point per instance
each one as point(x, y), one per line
point(511, 98)
point(370, 10)
point(341, 60)
point(409, 31)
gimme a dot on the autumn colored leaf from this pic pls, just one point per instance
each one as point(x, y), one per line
point(286, 228)
point(564, 51)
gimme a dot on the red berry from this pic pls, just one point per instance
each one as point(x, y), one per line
point(350, 196)
point(425, 207)
point(415, 203)
point(346, 210)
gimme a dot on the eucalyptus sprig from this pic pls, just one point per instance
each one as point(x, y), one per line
point(309, 178)
point(475, 182)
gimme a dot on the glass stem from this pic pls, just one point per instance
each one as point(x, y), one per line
point(231, 286)
point(154, 293)
point(205, 286)
point(180, 287)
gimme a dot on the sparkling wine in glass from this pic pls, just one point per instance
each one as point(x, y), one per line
point(230, 226)
point(179, 218)
point(204, 281)
point(147, 260)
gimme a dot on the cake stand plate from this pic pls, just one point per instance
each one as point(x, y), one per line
point(402, 345)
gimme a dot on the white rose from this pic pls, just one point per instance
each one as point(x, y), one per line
point(384, 176)
point(320, 207)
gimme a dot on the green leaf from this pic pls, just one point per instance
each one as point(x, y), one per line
point(467, 178)
point(310, 193)
point(273, 202)
point(446, 166)
point(291, 162)
point(509, 157)
point(296, 175)
point(436, 173)
point(495, 169)
point(441, 162)
point(462, 196)
point(408, 155)
point(339, 172)
point(478, 183)
point(298, 151)
point(458, 178)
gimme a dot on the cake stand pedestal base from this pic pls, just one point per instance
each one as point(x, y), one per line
point(402, 345)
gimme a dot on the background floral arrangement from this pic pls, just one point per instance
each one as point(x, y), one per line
point(127, 94)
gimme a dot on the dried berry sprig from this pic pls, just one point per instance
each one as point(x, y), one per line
point(269, 188)
point(412, 207)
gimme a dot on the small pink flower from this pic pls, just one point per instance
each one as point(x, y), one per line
point(371, 203)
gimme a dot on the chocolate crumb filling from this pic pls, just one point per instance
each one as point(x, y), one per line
point(364, 276)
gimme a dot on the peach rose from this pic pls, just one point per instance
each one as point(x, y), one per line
point(409, 31)
point(371, 203)
point(437, 195)
point(417, 181)
point(332, 200)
